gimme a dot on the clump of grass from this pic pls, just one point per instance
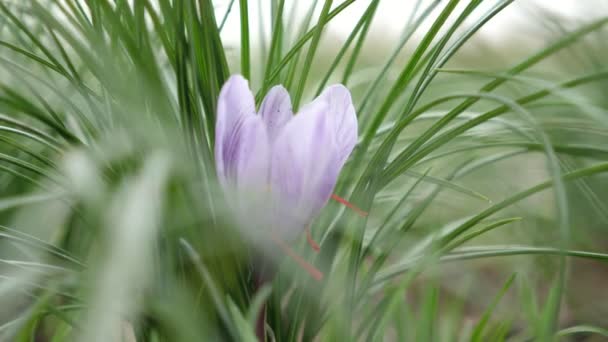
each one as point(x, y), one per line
point(482, 185)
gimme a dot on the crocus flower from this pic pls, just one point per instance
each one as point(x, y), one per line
point(279, 169)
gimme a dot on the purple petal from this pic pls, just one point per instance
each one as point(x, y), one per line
point(248, 173)
point(305, 164)
point(235, 102)
point(250, 155)
point(276, 111)
point(343, 118)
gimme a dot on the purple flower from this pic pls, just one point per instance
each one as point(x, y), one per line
point(279, 169)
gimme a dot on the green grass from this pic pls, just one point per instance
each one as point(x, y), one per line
point(483, 184)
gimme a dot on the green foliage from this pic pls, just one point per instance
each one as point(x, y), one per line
point(112, 226)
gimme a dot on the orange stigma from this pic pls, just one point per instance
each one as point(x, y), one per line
point(349, 205)
point(313, 271)
point(312, 242)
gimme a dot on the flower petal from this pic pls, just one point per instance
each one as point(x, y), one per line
point(305, 164)
point(276, 111)
point(247, 174)
point(235, 102)
point(251, 155)
point(343, 118)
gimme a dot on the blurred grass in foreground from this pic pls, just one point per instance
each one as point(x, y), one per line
point(482, 172)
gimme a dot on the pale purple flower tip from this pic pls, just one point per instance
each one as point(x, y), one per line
point(241, 143)
point(276, 111)
point(295, 158)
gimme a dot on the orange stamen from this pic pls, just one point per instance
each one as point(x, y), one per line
point(349, 205)
point(313, 271)
point(312, 242)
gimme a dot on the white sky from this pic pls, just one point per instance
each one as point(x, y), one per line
point(392, 14)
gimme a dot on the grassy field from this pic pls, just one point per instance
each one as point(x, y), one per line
point(481, 167)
